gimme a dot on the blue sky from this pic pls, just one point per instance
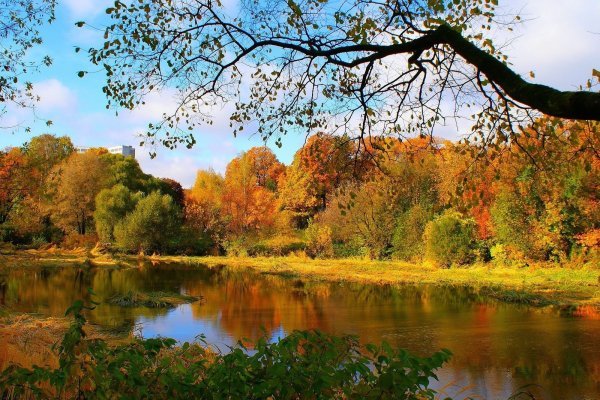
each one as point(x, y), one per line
point(559, 42)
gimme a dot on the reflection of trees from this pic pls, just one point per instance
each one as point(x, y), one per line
point(535, 345)
point(244, 303)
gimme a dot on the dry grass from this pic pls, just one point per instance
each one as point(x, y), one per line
point(27, 339)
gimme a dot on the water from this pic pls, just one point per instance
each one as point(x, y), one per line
point(498, 348)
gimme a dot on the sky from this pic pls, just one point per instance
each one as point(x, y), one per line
point(558, 41)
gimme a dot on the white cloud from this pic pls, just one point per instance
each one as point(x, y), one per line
point(55, 96)
point(86, 8)
point(558, 40)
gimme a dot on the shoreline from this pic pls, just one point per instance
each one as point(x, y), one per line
point(535, 285)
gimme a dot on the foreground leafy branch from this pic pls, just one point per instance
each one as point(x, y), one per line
point(304, 365)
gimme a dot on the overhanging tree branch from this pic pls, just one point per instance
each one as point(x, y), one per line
point(386, 66)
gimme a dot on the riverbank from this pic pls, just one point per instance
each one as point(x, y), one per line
point(539, 284)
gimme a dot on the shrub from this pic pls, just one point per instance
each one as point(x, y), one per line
point(319, 243)
point(236, 246)
point(39, 241)
point(450, 239)
point(304, 365)
point(350, 249)
point(191, 242)
point(277, 246)
point(7, 233)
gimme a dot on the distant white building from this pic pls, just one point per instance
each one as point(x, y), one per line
point(128, 151)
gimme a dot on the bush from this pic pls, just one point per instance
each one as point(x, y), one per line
point(450, 240)
point(7, 233)
point(277, 246)
point(236, 246)
point(191, 242)
point(349, 249)
point(319, 243)
point(39, 241)
point(304, 365)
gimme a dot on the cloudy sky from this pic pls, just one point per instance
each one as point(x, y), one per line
point(559, 41)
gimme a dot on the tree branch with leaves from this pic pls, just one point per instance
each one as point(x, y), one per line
point(395, 67)
point(20, 23)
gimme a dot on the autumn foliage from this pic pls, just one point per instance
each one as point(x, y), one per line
point(535, 197)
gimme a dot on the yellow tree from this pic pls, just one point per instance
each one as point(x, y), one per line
point(203, 206)
point(75, 184)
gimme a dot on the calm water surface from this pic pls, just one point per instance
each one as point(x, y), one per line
point(498, 348)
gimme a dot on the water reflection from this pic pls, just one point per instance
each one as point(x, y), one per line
point(497, 347)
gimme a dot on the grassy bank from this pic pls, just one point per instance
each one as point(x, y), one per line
point(539, 284)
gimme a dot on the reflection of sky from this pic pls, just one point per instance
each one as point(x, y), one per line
point(181, 324)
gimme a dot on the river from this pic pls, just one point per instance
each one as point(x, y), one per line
point(498, 348)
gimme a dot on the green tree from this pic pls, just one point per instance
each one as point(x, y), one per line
point(127, 172)
point(112, 206)
point(154, 225)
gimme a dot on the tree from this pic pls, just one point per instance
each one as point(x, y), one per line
point(75, 184)
point(203, 208)
point(385, 209)
point(20, 22)
point(15, 182)
point(208, 188)
point(365, 214)
point(297, 196)
point(381, 67)
point(45, 151)
point(127, 172)
point(112, 206)
point(248, 205)
point(266, 166)
point(547, 189)
point(154, 225)
point(174, 189)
